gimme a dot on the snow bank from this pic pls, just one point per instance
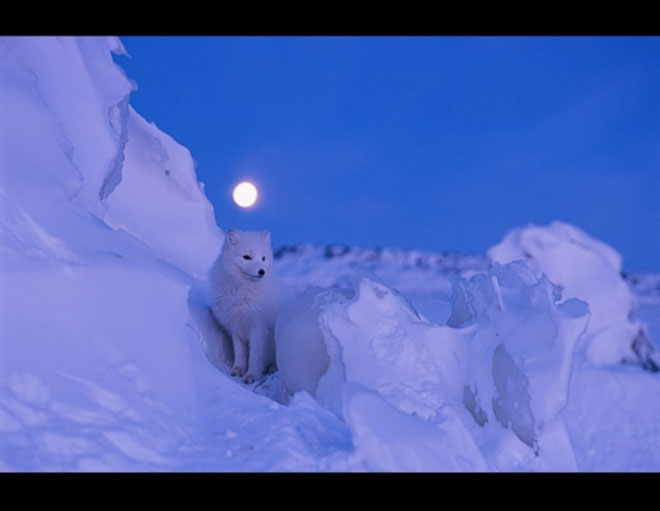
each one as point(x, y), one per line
point(100, 378)
point(588, 269)
point(488, 390)
point(71, 146)
point(174, 218)
point(96, 371)
point(612, 419)
point(103, 229)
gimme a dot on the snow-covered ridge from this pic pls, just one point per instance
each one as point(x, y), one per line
point(646, 286)
point(585, 267)
point(380, 256)
point(71, 145)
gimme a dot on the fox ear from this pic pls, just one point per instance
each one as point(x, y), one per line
point(232, 236)
point(266, 234)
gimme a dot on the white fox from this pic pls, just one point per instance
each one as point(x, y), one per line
point(245, 298)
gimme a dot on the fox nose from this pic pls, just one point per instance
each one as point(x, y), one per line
point(261, 273)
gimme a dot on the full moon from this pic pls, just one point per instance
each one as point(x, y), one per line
point(245, 194)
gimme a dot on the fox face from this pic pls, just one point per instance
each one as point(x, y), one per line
point(250, 253)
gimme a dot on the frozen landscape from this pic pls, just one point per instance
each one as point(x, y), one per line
point(540, 355)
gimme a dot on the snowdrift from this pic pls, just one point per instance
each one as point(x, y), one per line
point(103, 226)
point(485, 391)
point(591, 270)
point(73, 148)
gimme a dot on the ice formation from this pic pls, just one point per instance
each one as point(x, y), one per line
point(497, 375)
point(588, 269)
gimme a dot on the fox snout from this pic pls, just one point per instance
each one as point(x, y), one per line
point(261, 272)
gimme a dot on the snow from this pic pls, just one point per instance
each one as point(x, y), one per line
point(96, 157)
point(388, 360)
point(302, 354)
point(376, 426)
point(612, 422)
point(591, 270)
point(154, 161)
point(507, 360)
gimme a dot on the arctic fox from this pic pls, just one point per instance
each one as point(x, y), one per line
point(245, 298)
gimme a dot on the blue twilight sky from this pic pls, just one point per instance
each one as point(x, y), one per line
point(434, 143)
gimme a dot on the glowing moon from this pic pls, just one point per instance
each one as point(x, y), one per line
point(245, 194)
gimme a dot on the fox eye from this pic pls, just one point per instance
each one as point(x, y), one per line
point(247, 257)
point(263, 258)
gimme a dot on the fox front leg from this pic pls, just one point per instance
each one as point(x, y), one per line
point(261, 353)
point(240, 356)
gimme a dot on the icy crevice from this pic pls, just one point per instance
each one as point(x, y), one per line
point(471, 402)
point(647, 353)
point(512, 404)
point(118, 119)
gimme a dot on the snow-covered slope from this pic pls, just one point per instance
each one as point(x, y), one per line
point(72, 148)
point(109, 359)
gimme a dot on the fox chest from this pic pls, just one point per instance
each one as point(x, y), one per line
point(241, 315)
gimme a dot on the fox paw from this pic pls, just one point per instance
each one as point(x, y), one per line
point(248, 379)
point(237, 371)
